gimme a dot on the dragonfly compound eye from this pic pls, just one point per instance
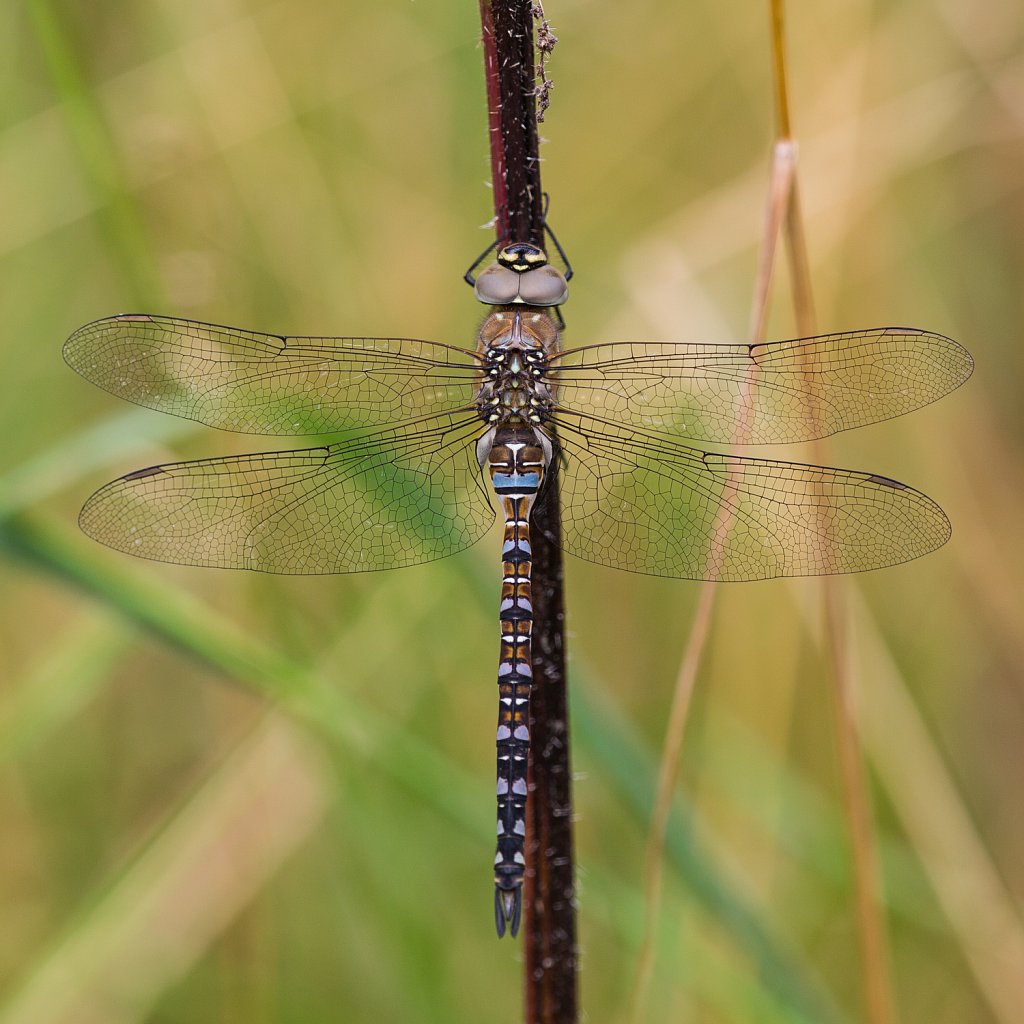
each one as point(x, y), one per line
point(497, 285)
point(544, 286)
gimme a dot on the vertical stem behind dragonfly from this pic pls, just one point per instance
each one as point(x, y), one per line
point(551, 954)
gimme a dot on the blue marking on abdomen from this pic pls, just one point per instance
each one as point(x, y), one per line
point(516, 482)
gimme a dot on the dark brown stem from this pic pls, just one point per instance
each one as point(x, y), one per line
point(512, 119)
point(551, 954)
point(549, 911)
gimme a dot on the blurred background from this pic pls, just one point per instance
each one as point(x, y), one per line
point(234, 797)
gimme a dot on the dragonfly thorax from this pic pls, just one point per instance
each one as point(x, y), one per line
point(518, 328)
point(514, 349)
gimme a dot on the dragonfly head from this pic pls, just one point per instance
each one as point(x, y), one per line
point(521, 275)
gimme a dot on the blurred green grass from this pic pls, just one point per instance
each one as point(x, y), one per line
point(320, 169)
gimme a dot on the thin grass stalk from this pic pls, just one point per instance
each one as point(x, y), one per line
point(876, 980)
point(981, 908)
point(668, 768)
point(96, 149)
point(549, 910)
point(779, 190)
point(879, 1005)
point(182, 887)
point(783, 218)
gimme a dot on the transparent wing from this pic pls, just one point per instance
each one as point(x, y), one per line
point(650, 505)
point(778, 392)
point(268, 384)
point(378, 501)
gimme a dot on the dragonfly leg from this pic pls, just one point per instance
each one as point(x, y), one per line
point(469, 277)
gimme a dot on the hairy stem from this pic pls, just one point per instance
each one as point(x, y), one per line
point(549, 913)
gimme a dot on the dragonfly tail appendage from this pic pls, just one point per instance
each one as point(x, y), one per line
point(508, 908)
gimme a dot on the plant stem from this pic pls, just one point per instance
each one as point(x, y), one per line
point(549, 907)
point(879, 1005)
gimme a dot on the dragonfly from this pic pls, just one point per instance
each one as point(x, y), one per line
point(427, 442)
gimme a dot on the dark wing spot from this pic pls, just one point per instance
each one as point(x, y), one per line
point(140, 473)
point(886, 482)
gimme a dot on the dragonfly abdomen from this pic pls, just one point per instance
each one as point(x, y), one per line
point(516, 463)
